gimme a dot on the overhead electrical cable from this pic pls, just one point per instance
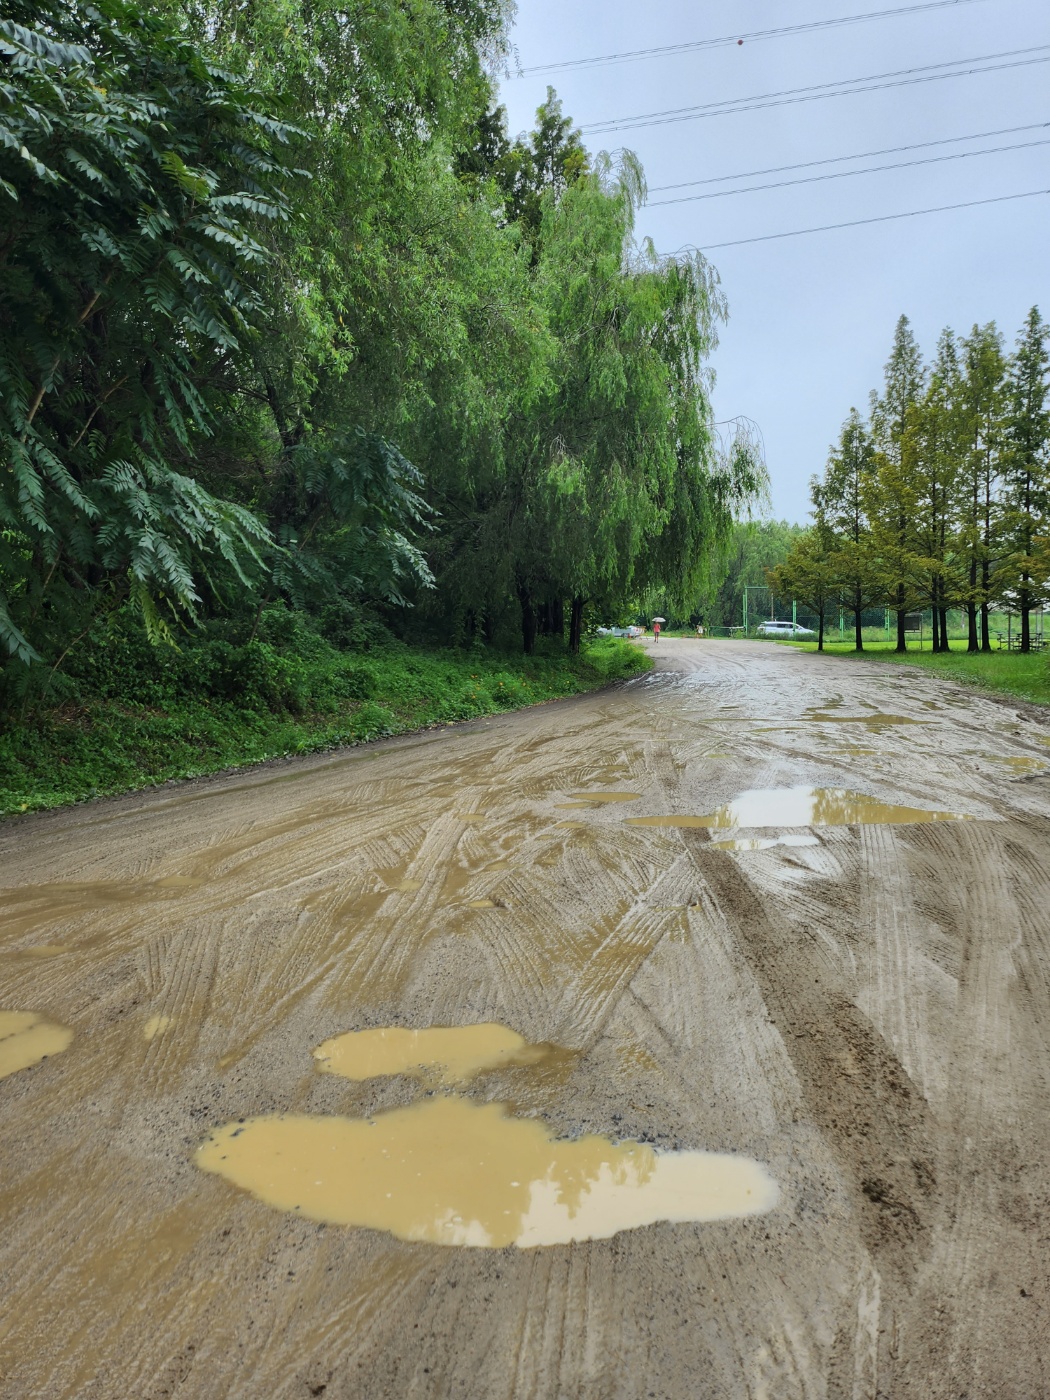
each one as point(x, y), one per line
point(857, 155)
point(877, 219)
point(840, 174)
point(725, 40)
point(844, 87)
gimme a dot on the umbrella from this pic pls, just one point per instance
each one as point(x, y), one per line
point(659, 619)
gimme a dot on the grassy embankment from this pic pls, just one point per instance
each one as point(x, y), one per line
point(1008, 672)
point(131, 716)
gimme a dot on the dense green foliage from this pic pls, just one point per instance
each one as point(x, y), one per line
point(754, 548)
point(134, 715)
point(286, 317)
point(942, 500)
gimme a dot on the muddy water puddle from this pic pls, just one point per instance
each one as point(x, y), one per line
point(765, 843)
point(801, 806)
point(452, 1172)
point(27, 1037)
point(445, 1054)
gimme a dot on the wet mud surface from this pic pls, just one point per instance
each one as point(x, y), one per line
point(795, 968)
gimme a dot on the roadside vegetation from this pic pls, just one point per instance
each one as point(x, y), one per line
point(131, 715)
point(940, 498)
point(291, 325)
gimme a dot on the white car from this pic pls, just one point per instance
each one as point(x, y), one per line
point(783, 629)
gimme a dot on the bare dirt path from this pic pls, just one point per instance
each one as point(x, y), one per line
point(868, 1016)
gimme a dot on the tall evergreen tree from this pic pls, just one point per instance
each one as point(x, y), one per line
point(892, 421)
point(1026, 468)
point(939, 448)
point(982, 408)
point(843, 499)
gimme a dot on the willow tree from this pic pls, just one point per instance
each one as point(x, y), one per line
point(627, 487)
point(379, 367)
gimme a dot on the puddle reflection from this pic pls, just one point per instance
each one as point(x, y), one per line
point(764, 843)
point(451, 1172)
point(801, 806)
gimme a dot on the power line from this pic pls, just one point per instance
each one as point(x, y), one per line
point(858, 155)
point(844, 87)
point(693, 46)
point(840, 174)
point(878, 219)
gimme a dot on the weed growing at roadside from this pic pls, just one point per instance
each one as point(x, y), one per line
point(128, 715)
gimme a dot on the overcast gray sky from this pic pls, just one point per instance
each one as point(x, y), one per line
point(811, 318)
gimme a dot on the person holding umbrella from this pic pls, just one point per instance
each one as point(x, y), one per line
point(656, 627)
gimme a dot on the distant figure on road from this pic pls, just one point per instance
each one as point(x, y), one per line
point(656, 631)
point(699, 630)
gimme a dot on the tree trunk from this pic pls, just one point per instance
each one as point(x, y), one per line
point(902, 618)
point(575, 624)
point(558, 618)
point(986, 641)
point(820, 631)
point(943, 612)
point(528, 619)
point(858, 634)
point(1025, 603)
point(971, 627)
point(935, 621)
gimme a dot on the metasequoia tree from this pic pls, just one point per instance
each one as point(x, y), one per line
point(1026, 470)
point(843, 499)
point(892, 424)
point(982, 403)
point(939, 450)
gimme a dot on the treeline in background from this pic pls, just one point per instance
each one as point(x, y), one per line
point(290, 328)
point(940, 498)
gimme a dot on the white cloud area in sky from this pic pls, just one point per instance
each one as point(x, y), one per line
point(811, 318)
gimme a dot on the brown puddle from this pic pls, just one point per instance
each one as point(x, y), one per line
point(447, 1054)
point(26, 1038)
point(802, 806)
point(451, 1172)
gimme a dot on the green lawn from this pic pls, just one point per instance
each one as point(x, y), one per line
point(1027, 677)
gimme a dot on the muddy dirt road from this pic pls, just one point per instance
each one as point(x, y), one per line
point(854, 1000)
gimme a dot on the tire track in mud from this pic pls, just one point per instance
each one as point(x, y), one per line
point(856, 1089)
point(990, 1232)
point(840, 1012)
